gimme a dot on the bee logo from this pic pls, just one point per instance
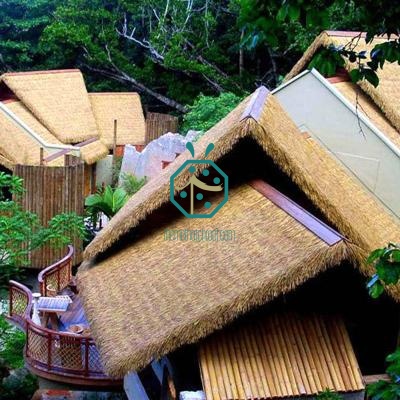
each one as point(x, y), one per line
point(193, 197)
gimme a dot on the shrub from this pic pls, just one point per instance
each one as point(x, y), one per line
point(15, 381)
point(208, 110)
point(21, 231)
point(328, 394)
point(131, 184)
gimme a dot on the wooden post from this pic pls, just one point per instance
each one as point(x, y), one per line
point(115, 137)
point(41, 156)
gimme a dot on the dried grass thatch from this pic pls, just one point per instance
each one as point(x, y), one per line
point(346, 205)
point(93, 152)
point(179, 292)
point(126, 108)
point(385, 95)
point(58, 99)
point(16, 146)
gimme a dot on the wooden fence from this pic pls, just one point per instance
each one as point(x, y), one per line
point(50, 191)
point(157, 124)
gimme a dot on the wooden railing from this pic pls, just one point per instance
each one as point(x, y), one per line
point(20, 304)
point(62, 356)
point(57, 276)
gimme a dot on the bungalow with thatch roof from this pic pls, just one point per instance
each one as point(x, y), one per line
point(264, 271)
point(357, 123)
point(52, 111)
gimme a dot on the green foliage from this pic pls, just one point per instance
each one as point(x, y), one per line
point(16, 381)
point(21, 25)
point(116, 168)
point(386, 261)
point(207, 111)
point(388, 390)
point(131, 184)
point(263, 21)
point(326, 61)
point(328, 394)
point(108, 201)
point(21, 231)
point(20, 384)
point(12, 343)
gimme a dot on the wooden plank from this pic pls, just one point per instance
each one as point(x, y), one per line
point(313, 224)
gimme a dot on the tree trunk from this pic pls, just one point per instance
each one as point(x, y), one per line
point(123, 77)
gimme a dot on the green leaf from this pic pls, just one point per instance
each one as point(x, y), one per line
point(294, 12)
point(282, 12)
point(371, 76)
point(355, 75)
point(376, 290)
point(375, 255)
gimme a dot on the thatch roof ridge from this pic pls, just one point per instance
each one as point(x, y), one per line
point(385, 95)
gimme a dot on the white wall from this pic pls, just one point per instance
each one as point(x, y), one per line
point(104, 171)
point(315, 109)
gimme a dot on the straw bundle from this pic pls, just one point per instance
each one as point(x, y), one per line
point(58, 99)
point(126, 108)
point(176, 292)
point(280, 355)
point(385, 95)
point(16, 145)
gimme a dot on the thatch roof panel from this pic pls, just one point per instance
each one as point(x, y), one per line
point(156, 191)
point(58, 99)
point(126, 108)
point(177, 292)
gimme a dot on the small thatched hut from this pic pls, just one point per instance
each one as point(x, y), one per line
point(60, 115)
point(150, 285)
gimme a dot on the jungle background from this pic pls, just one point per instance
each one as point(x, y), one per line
point(173, 51)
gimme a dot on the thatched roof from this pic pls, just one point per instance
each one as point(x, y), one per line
point(93, 151)
point(58, 99)
point(16, 146)
point(167, 281)
point(279, 356)
point(126, 108)
point(181, 291)
point(320, 177)
point(385, 95)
